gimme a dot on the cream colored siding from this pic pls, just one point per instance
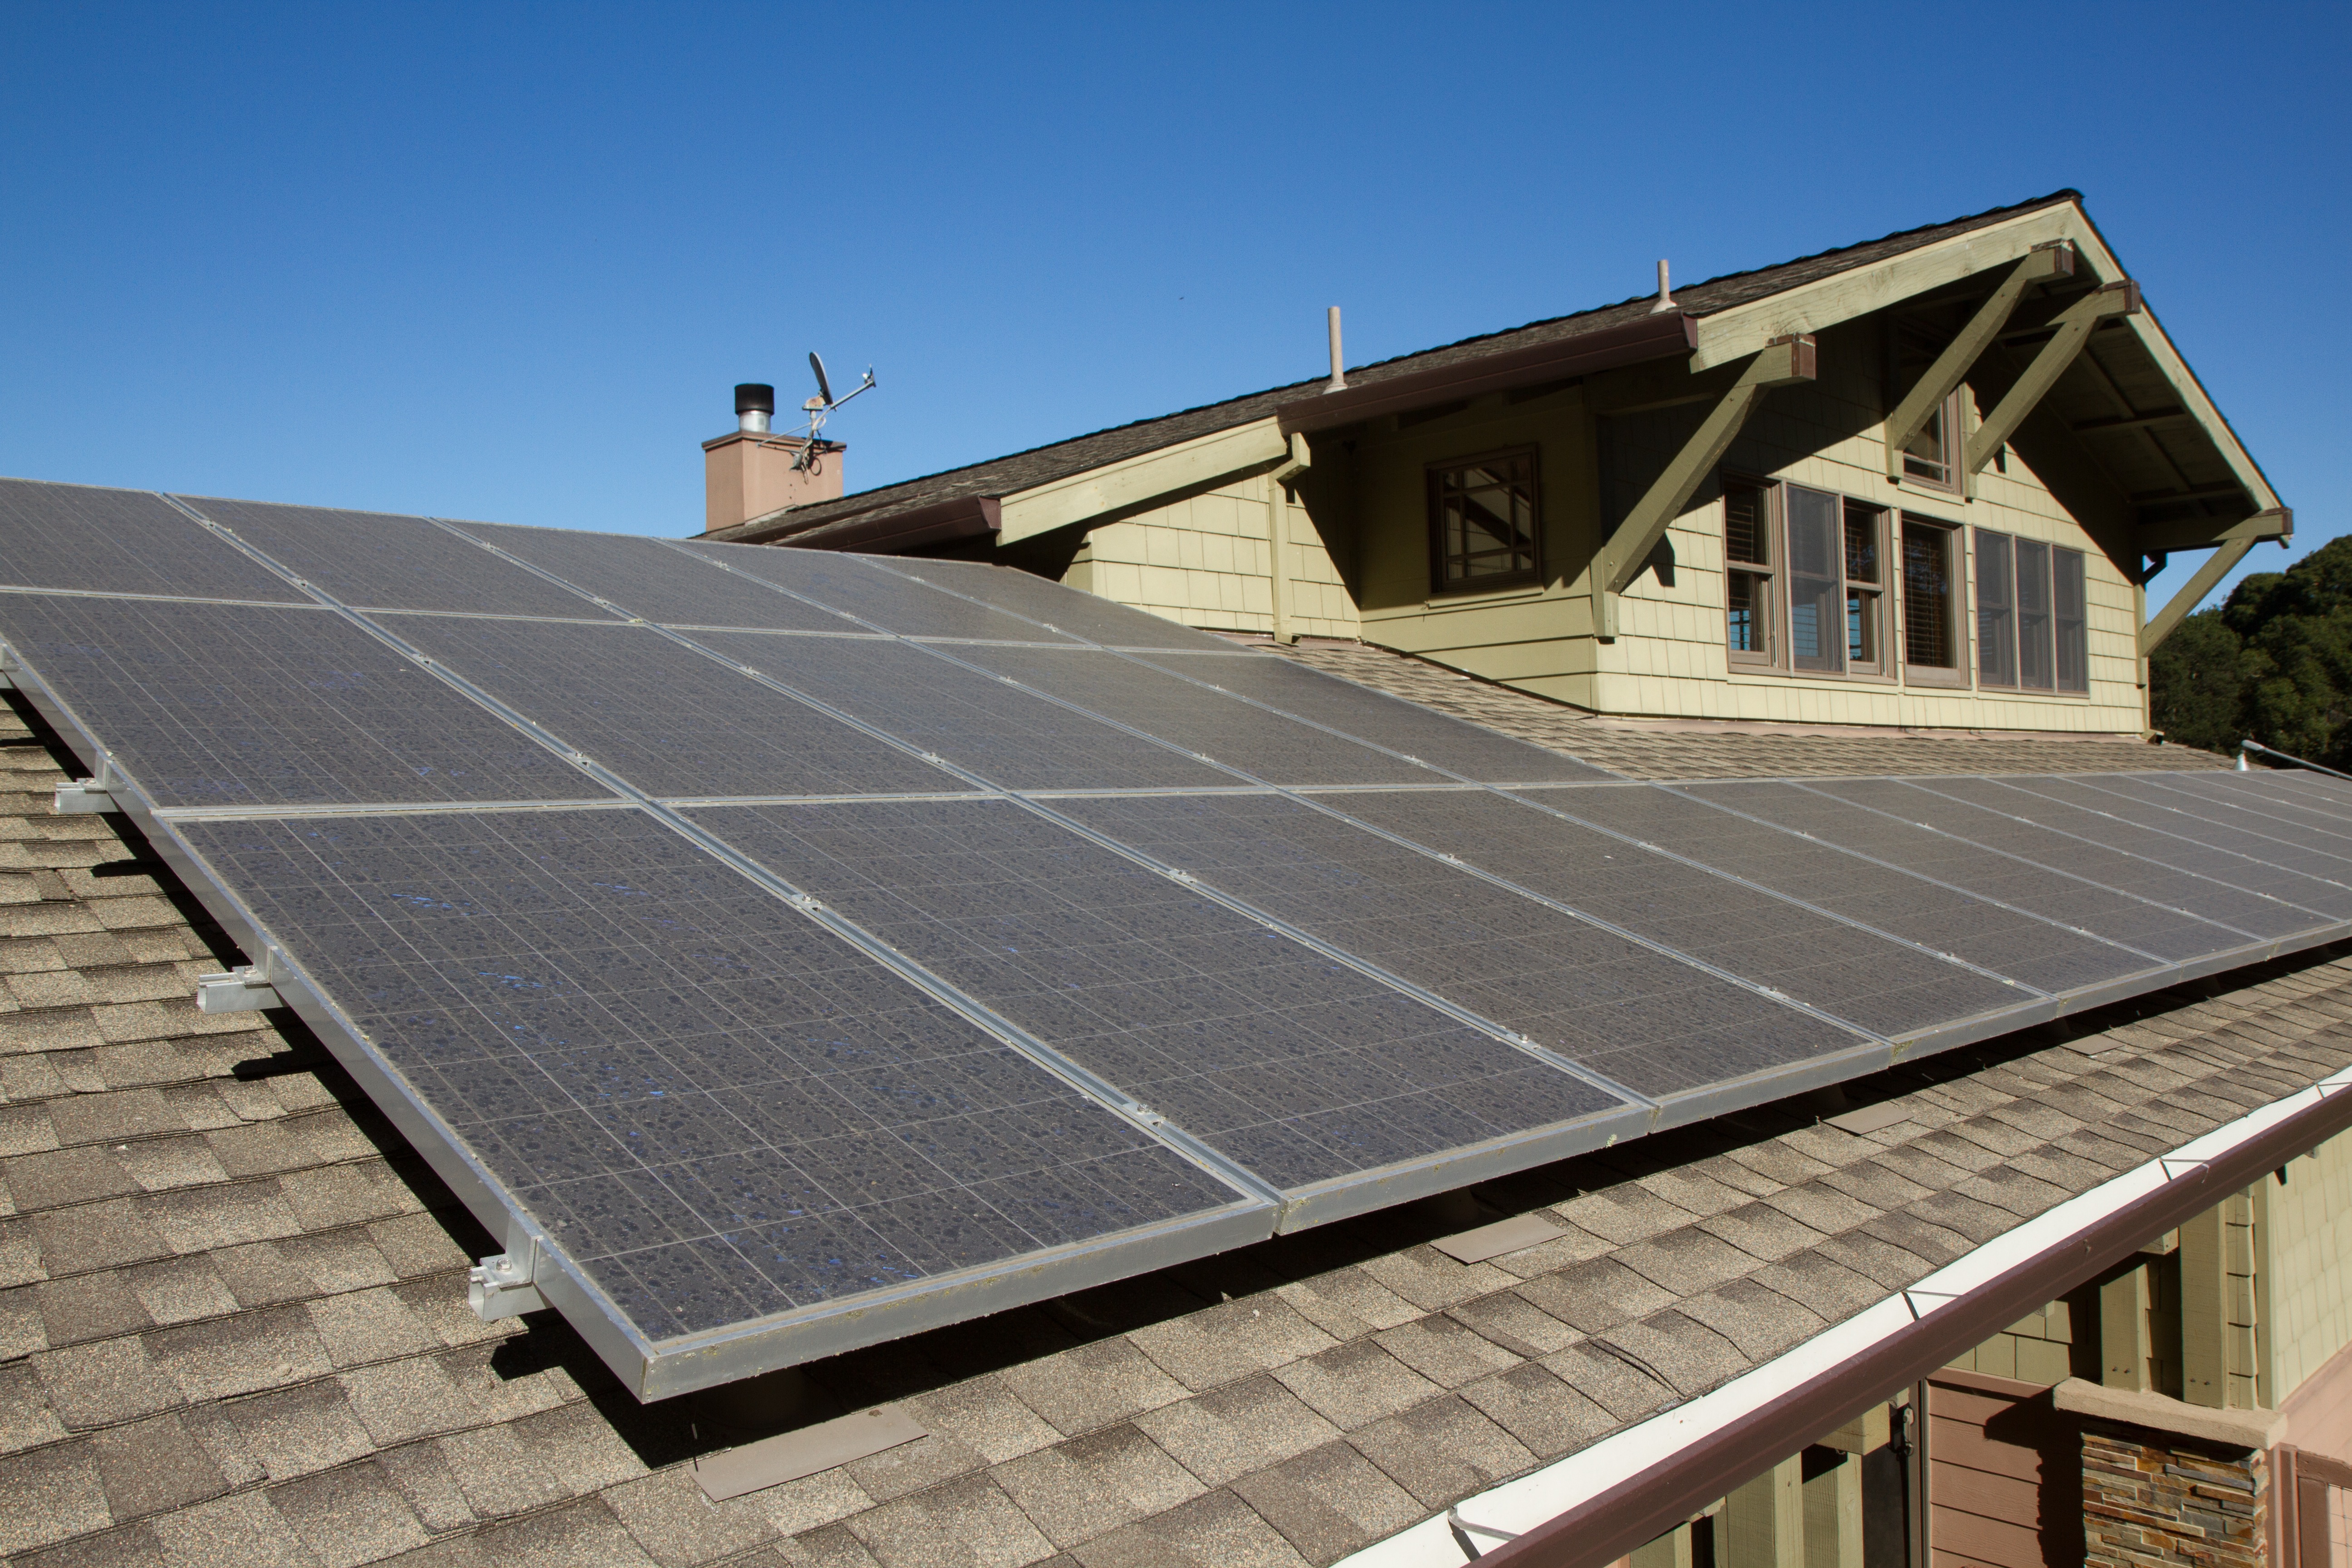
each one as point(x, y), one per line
point(1670, 659)
point(2038, 1349)
point(2303, 1229)
point(1204, 561)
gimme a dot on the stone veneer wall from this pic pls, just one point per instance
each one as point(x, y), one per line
point(2149, 1501)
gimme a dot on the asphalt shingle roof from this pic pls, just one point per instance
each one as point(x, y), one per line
point(1042, 464)
point(233, 1324)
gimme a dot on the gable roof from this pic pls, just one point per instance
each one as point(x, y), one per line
point(819, 524)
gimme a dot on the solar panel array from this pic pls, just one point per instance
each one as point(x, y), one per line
point(785, 951)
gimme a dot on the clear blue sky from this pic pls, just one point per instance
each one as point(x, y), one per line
point(507, 262)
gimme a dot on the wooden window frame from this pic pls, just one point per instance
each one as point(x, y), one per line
point(1432, 483)
point(1767, 526)
point(1777, 656)
point(2017, 546)
point(1880, 595)
point(1960, 673)
point(1949, 413)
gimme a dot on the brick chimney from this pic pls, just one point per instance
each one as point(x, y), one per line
point(749, 472)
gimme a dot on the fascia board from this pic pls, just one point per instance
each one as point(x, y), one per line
point(1744, 329)
point(1243, 449)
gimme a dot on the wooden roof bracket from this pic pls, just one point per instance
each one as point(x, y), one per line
point(2043, 263)
point(2276, 523)
point(2074, 325)
point(1783, 361)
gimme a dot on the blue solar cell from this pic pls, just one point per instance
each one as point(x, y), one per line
point(1374, 717)
point(1638, 1017)
point(667, 719)
point(214, 704)
point(646, 578)
point(121, 541)
point(386, 561)
point(1298, 1067)
point(1007, 735)
point(1210, 723)
point(715, 1107)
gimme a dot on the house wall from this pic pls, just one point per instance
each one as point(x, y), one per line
point(2305, 1236)
point(1670, 659)
point(1206, 561)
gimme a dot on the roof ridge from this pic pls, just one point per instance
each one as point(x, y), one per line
point(2062, 195)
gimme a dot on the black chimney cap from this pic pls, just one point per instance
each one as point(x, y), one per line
point(754, 397)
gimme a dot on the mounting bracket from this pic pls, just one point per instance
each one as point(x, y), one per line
point(501, 1286)
point(247, 988)
point(85, 795)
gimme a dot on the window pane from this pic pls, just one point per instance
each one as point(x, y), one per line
point(1486, 520)
point(1745, 535)
point(2073, 620)
point(1861, 628)
point(1925, 457)
point(1996, 611)
point(1745, 607)
point(1928, 596)
point(2033, 649)
point(1816, 588)
point(1862, 544)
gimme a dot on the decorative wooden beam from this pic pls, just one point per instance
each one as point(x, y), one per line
point(2196, 533)
point(2074, 325)
point(2192, 593)
point(1783, 363)
point(2055, 259)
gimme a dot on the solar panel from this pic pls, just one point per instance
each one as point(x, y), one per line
point(1897, 835)
point(1661, 1026)
point(2250, 913)
point(2028, 949)
point(390, 561)
point(1057, 607)
point(2048, 805)
point(719, 1113)
point(223, 704)
point(121, 541)
point(670, 720)
point(1390, 723)
point(1303, 1070)
point(855, 586)
point(1852, 973)
point(2314, 868)
point(972, 720)
point(783, 983)
point(646, 578)
point(2243, 799)
point(1208, 724)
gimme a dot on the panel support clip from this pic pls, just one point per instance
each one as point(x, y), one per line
point(244, 989)
point(86, 795)
point(501, 1286)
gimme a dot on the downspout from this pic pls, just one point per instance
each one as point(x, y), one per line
point(1598, 1505)
point(1277, 527)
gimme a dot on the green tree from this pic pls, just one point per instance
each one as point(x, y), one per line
point(2197, 684)
point(2274, 663)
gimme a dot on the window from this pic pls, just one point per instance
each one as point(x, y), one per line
point(1482, 523)
point(1748, 577)
point(1932, 457)
point(2031, 622)
point(1803, 584)
point(1865, 589)
point(1931, 643)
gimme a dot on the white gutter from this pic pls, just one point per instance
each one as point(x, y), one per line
point(1516, 1507)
